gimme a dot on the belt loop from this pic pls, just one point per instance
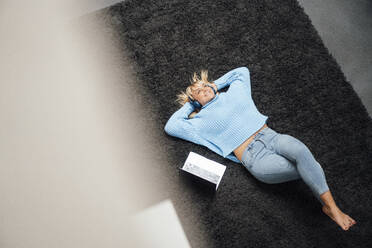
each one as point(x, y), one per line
point(263, 142)
point(259, 134)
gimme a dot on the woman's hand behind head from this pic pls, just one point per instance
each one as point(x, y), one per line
point(214, 86)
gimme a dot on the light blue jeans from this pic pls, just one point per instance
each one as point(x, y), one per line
point(273, 157)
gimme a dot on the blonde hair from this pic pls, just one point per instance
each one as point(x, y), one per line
point(195, 83)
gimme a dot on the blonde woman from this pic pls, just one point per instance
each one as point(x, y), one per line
point(229, 124)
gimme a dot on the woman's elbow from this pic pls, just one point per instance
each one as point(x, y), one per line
point(169, 128)
point(244, 70)
point(244, 73)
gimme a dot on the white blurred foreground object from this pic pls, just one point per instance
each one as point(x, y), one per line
point(159, 226)
point(70, 133)
point(200, 167)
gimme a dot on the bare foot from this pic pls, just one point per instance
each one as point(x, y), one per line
point(343, 220)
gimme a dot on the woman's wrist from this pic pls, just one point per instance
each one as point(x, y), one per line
point(214, 86)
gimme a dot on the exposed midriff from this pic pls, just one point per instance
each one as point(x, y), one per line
point(240, 149)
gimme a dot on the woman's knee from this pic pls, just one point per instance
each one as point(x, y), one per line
point(274, 169)
point(288, 142)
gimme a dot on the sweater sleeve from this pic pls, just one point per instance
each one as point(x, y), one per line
point(240, 73)
point(179, 125)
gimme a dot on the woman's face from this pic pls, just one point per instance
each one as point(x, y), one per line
point(203, 94)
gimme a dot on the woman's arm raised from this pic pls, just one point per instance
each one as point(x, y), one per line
point(179, 125)
point(240, 73)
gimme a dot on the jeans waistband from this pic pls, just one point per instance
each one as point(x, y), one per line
point(264, 135)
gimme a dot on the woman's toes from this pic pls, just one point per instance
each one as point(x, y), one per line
point(342, 219)
point(346, 225)
point(351, 220)
point(350, 224)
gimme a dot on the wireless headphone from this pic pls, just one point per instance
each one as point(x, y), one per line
point(195, 103)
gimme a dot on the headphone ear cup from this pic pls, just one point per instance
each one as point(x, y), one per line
point(195, 103)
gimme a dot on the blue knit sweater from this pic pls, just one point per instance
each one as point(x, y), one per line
point(225, 122)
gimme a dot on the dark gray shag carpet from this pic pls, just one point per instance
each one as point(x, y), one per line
point(295, 82)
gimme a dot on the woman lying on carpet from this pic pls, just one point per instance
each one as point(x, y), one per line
point(229, 124)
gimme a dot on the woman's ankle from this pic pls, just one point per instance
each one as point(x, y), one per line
point(331, 207)
point(328, 200)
